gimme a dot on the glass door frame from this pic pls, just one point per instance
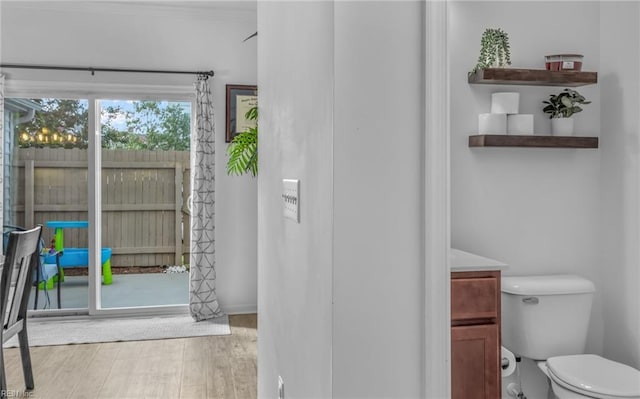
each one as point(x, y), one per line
point(93, 93)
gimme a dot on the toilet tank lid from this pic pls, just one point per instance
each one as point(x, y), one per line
point(556, 284)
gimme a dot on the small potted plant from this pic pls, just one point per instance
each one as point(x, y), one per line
point(495, 51)
point(561, 108)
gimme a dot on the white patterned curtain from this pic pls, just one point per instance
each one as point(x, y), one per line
point(203, 303)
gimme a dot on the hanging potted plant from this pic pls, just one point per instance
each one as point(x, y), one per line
point(495, 51)
point(561, 108)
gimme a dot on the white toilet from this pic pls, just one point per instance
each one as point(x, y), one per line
point(545, 318)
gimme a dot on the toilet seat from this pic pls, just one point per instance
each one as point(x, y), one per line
point(594, 376)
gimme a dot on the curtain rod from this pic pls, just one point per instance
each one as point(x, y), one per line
point(94, 70)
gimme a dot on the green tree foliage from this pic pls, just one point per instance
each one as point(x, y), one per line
point(59, 117)
point(150, 125)
point(112, 137)
point(163, 128)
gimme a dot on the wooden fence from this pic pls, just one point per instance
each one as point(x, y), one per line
point(144, 195)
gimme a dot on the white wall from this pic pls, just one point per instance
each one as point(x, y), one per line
point(536, 209)
point(620, 146)
point(165, 36)
point(295, 58)
point(340, 304)
point(378, 312)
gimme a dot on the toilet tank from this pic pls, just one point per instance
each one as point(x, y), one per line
point(545, 316)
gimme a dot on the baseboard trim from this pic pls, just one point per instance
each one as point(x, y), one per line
point(240, 309)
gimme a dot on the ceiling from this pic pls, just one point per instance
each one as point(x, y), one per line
point(207, 6)
point(238, 5)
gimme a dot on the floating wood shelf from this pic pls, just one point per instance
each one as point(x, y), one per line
point(532, 77)
point(498, 140)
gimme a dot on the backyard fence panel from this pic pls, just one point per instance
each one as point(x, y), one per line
point(144, 219)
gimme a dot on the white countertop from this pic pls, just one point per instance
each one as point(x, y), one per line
point(462, 261)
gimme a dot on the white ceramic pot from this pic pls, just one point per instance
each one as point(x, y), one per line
point(562, 126)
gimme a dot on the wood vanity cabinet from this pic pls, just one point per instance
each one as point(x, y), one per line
point(475, 335)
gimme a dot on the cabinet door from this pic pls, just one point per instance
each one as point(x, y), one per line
point(475, 365)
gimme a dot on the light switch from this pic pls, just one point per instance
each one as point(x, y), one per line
point(291, 199)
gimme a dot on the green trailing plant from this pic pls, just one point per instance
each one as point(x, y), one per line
point(565, 104)
point(494, 50)
point(243, 149)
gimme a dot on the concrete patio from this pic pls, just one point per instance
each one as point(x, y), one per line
point(127, 290)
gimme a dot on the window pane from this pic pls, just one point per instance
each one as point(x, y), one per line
point(145, 181)
point(46, 182)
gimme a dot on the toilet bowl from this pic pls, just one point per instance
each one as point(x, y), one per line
point(590, 376)
point(546, 317)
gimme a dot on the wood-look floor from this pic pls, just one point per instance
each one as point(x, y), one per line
point(186, 368)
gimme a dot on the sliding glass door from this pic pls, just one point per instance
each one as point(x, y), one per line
point(46, 159)
point(108, 179)
point(145, 184)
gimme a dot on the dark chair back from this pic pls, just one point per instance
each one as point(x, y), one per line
point(38, 272)
point(6, 229)
point(23, 257)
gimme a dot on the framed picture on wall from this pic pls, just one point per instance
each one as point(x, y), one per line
point(240, 99)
